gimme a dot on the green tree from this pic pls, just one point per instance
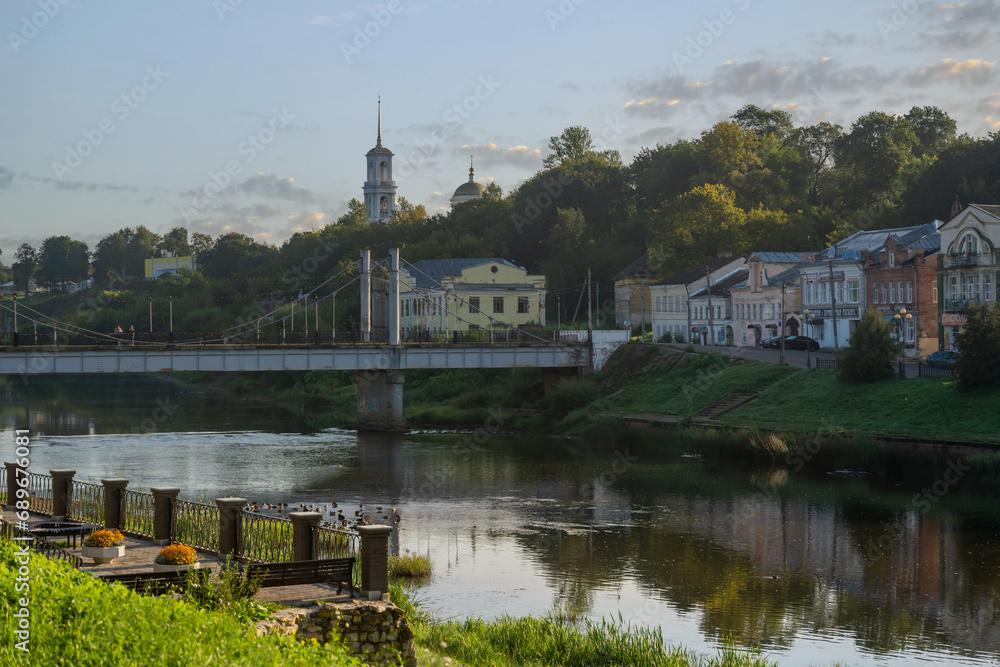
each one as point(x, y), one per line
point(23, 268)
point(934, 129)
point(776, 122)
point(175, 241)
point(816, 144)
point(978, 345)
point(697, 226)
point(234, 255)
point(201, 243)
point(870, 351)
point(574, 145)
point(872, 156)
point(62, 260)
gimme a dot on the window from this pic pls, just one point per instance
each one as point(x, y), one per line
point(754, 307)
point(874, 292)
point(909, 291)
point(934, 293)
point(892, 292)
point(473, 304)
point(911, 327)
point(899, 290)
point(853, 291)
point(969, 245)
point(498, 304)
point(406, 307)
point(885, 297)
point(522, 305)
point(892, 258)
point(744, 336)
point(954, 288)
point(987, 292)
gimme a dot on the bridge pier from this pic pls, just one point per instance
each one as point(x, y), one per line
point(380, 401)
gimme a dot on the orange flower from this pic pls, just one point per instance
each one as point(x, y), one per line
point(104, 538)
point(177, 554)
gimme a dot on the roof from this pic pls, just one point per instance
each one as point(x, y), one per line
point(721, 286)
point(689, 276)
point(872, 240)
point(789, 276)
point(988, 209)
point(470, 188)
point(780, 257)
point(635, 266)
point(428, 273)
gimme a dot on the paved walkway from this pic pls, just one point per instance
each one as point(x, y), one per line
point(140, 553)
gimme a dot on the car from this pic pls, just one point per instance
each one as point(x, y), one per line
point(942, 358)
point(772, 343)
point(801, 343)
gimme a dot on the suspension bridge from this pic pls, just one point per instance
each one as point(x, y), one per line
point(380, 354)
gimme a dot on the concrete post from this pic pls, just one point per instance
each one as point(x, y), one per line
point(380, 401)
point(163, 510)
point(303, 545)
point(113, 488)
point(374, 560)
point(230, 535)
point(62, 493)
point(12, 485)
point(394, 296)
point(366, 295)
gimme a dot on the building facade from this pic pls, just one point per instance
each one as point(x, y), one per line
point(158, 266)
point(771, 291)
point(670, 296)
point(379, 188)
point(710, 310)
point(444, 295)
point(968, 266)
point(633, 302)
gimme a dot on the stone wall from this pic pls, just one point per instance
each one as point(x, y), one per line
point(377, 632)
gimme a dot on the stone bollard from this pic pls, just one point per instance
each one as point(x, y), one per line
point(113, 488)
point(230, 536)
point(62, 493)
point(12, 485)
point(303, 544)
point(374, 560)
point(163, 509)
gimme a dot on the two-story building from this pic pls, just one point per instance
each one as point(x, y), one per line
point(770, 293)
point(444, 295)
point(710, 312)
point(633, 303)
point(902, 276)
point(670, 295)
point(968, 265)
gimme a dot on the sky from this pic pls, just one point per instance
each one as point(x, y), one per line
point(254, 116)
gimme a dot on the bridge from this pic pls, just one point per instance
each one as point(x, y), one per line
point(380, 365)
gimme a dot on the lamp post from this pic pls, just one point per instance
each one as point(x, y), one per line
point(807, 315)
point(150, 314)
point(171, 299)
point(900, 317)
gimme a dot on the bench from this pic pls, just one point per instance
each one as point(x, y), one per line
point(331, 571)
point(154, 583)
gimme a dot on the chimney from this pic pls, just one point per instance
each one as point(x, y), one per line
point(956, 207)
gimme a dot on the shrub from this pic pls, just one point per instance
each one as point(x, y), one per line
point(689, 348)
point(568, 396)
point(411, 566)
point(978, 342)
point(176, 554)
point(104, 538)
point(869, 356)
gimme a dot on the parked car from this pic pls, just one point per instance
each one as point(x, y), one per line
point(772, 343)
point(801, 343)
point(942, 358)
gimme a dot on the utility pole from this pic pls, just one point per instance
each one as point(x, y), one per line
point(833, 302)
point(711, 318)
point(597, 298)
point(590, 326)
point(781, 323)
point(171, 299)
point(642, 297)
point(150, 313)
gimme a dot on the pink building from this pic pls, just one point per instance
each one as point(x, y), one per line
point(769, 303)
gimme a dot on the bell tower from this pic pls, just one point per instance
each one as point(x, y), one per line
point(379, 188)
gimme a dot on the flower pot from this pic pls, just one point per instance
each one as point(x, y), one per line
point(103, 555)
point(157, 567)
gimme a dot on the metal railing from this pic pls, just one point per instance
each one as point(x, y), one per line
point(333, 543)
point(265, 539)
point(137, 514)
point(3, 485)
point(963, 259)
point(39, 544)
point(88, 503)
point(826, 363)
point(40, 493)
point(936, 371)
point(195, 524)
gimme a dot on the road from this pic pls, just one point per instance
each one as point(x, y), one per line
point(792, 357)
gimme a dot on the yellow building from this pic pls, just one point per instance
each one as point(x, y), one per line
point(157, 266)
point(444, 295)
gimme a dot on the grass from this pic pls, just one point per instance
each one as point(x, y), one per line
point(77, 620)
point(409, 566)
point(924, 407)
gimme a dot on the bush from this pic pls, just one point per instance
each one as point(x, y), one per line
point(568, 396)
point(410, 566)
point(978, 342)
point(868, 358)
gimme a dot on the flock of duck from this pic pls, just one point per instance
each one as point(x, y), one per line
point(337, 517)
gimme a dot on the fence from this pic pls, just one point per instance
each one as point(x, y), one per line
point(37, 543)
point(333, 543)
point(87, 504)
point(137, 514)
point(3, 485)
point(40, 493)
point(935, 371)
point(265, 539)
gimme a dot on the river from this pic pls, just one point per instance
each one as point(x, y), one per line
point(837, 562)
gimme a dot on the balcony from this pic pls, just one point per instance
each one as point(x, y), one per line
point(960, 305)
point(962, 259)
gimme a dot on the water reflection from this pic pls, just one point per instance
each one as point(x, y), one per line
point(521, 525)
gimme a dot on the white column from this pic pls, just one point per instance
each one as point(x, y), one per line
point(394, 296)
point(366, 295)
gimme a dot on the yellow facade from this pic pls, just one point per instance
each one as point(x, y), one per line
point(158, 266)
point(491, 294)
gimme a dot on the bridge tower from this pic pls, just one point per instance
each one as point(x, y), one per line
point(380, 389)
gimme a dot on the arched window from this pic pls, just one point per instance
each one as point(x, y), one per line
point(383, 177)
point(371, 172)
point(383, 206)
point(969, 245)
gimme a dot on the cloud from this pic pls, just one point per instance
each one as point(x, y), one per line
point(320, 20)
point(6, 178)
point(269, 186)
point(518, 156)
point(304, 222)
point(79, 185)
point(652, 107)
point(978, 12)
point(830, 38)
point(972, 72)
point(652, 136)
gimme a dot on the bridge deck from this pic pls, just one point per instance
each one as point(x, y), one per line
point(36, 360)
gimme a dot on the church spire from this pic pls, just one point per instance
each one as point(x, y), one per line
point(472, 170)
point(379, 141)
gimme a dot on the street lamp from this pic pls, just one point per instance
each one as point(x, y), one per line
point(900, 317)
point(807, 316)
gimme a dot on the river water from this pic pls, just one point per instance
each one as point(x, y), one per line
point(837, 562)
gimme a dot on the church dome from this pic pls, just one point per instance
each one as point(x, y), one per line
point(469, 190)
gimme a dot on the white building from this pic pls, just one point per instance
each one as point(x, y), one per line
point(670, 296)
point(379, 189)
point(469, 190)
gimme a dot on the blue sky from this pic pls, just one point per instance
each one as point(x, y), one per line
point(254, 116)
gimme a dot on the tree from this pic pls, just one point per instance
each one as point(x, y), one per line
point(872, 156)
point(934, 129)
point(175, 241)
point(816, 143)
point(62, 260)
point(754, 119)
point(871, 349)
point(201, 243)
point(978, 345)
point(574, 145)
point(696, 227)
point(26, 259)
point(234, 255)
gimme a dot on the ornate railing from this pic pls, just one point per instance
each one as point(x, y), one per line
point(9, 531)
point(3, 485)
point(40, 492)
point(88, 503)
point(195, 524)
point(962, 259)
point(137, 513)
point(333, 543)
point(266, 539)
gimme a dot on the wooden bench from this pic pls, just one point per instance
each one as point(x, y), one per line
point(155, 583)
point(331, 571)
